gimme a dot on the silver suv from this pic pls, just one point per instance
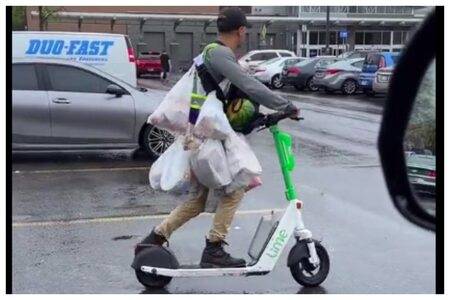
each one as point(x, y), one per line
point(65, 105)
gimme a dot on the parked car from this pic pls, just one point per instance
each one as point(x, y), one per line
point(354, 54)
point(301, 74)
point(255, 57)
point(111, 53)
point(148, 63)
point(341, 75)
point(373, 62)
point(422, 174)
point(269, 72)
point(381, 80)
point(65, 105)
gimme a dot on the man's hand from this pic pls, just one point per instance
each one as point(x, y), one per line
point(293, 111)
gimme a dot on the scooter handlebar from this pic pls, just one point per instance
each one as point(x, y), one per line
point(265, 121)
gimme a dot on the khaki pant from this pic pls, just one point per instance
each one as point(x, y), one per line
point(225, 211)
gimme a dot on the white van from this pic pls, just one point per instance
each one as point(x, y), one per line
point(112, 53)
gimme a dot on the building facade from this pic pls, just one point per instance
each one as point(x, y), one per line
point(183, 31)
point(385, 28)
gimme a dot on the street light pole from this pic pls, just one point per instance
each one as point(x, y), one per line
point(327, 32)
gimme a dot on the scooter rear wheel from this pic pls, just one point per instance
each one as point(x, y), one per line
point(155, 256)
point(306, 274)
point(152, 281)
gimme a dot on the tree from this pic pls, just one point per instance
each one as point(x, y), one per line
point(421, 132)
point(19, 18)
point(45, 14)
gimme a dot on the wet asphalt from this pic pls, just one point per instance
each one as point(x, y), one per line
point(76, 216)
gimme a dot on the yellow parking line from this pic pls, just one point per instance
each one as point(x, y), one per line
point(79, 170)
point(125, 219)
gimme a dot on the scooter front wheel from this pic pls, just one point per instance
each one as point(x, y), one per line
point(307, 274)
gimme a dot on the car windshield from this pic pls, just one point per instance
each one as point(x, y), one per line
point(372, 59)
point(305, 62)
point(290, 62)
point(270, 61)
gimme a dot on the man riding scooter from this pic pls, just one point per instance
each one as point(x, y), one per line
point(221, 64)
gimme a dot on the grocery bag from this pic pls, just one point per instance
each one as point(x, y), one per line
point(157, 168)
point(172, 113)
point(171, 172)
point(212, 123)
point(209, 164)
point(242, 162)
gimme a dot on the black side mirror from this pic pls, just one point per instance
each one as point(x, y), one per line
point(404, 86)
point(247, 60)
point(114, 89)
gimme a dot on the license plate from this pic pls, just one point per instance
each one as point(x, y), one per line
point(384, 78)
point(364, 82)
point(292, 75)
point(150, 69)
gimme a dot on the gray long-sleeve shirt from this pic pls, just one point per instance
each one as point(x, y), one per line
point(221, 63)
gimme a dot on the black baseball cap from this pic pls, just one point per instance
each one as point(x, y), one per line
point(231, 19)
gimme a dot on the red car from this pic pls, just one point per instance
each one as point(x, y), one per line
point(148, 63)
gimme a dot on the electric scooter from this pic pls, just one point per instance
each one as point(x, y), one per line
point(308, 260)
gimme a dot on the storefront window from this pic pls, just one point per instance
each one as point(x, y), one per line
point(405, 37)
point(376, 38)
point(313, 37)
point(397, 37)
point(333, 37)
point(359, 37)
point(304, 37)
point(386, 38)
point(322, 37)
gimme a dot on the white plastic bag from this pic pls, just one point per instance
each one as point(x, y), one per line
point(173, 112)
point(209, 164)
point(242, 163)
point(157, 168)
point(171, 172)
point(176, 176)
point(212, 123)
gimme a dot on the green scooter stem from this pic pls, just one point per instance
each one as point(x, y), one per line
point(283, 145)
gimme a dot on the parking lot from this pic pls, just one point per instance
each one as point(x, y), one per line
point(77, 215)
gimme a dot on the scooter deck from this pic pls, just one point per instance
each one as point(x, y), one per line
point(197, 271)
point(197, 266)
point(200, 267)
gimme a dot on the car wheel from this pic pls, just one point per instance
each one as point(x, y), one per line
point(155, 141)
point(349, 87)
point(276, 82)
point(311, 86)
